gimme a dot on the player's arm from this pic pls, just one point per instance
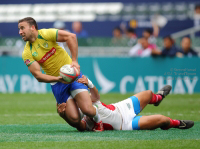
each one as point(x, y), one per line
point(71, 40)
point(93, 90)
point(35, 70)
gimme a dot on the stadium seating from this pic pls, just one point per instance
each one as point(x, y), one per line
point(173, 11)
point(98, 18)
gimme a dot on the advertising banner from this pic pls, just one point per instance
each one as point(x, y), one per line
point(112, 74)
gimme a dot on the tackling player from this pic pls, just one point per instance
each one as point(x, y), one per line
point(42, 50)
point(123, 115)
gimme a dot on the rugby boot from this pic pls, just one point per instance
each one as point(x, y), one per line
point(185, 124)
point(163, 92)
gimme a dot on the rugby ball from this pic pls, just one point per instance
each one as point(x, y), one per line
point(68, 73)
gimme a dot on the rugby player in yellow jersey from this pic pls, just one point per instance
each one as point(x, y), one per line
point(42, 50)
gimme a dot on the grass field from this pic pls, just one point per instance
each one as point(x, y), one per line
point(30, 121)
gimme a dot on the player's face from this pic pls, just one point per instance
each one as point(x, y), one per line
point(25, 30)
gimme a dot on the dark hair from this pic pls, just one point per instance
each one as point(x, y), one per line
point(130, 30)
point(30, 21)
point(143, 38)
point(170, 38)
point(197, 6)
point(117, 28)
point(149, 30)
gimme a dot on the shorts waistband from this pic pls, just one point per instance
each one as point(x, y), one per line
point(53, 83)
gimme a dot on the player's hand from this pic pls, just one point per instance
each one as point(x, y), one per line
point(83, 80)
point(61, 108)
point(75, 64)
point(179, 54)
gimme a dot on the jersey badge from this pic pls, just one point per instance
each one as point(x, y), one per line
point(45, 45)
point(27, 61)
point(35, 54)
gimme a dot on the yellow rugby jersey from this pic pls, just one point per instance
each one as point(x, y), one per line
point(46, 52)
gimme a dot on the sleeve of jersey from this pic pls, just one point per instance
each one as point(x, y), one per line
point(27, 57)
point(49, 34)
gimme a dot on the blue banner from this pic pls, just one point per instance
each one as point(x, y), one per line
point(112, 75)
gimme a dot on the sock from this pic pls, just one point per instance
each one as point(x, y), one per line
point(173, 123)
point(96, 118)
point(155, 98)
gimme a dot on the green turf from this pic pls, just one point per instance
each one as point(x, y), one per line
point(30, 121)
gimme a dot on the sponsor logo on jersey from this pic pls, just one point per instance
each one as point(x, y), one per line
point(45, 45)
point(35, 54)
point(27, 61)
point(128, 105)
point(47, 55)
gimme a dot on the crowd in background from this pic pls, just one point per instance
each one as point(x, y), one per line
point(146, 45)
point(141, 46)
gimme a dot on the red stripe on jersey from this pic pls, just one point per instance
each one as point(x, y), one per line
point(47, 55)
point(107, 126)
point(111, 107)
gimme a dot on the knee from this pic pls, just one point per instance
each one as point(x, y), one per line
point(164, 121)
point(74, 119)
point(149, 93)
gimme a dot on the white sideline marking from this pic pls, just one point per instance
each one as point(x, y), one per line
point(38, 114)
point(142, 113)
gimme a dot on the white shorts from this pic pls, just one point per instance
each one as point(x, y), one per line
point(75, 92)
point(128, 112)
point(111, 117)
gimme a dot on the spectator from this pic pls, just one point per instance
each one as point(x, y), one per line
point(186, 49)
point(77, 28)
point(59, 25)
point(148, 33)
point(197, 15)
point(130, 34)
point(117, 33)
point(145, 50)
point(118, 37)
point(169, 47)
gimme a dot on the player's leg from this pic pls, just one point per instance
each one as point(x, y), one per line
point(80, 93)
point(71, 115)
point(153, 122)
point(144, 98)
point(70, 112)
point(148, 97)
point(85, 104)
point(159, 121)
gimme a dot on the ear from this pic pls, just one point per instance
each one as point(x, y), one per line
point(33, 27)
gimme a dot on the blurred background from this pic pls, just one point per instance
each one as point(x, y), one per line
point(124, 46)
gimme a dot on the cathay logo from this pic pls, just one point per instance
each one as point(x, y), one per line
point(105, 84)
